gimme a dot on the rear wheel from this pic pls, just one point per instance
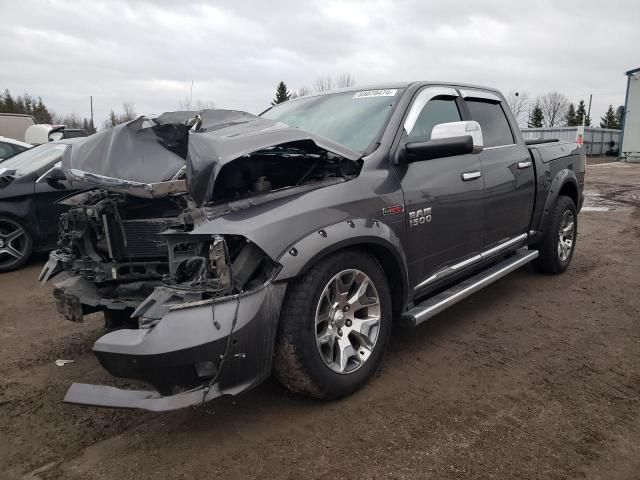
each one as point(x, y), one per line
point(15, 244)
point(334, 326)
point(559, 241)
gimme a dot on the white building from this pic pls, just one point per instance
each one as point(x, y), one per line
point(630, 150)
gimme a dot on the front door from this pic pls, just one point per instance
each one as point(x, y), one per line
point(444, 197)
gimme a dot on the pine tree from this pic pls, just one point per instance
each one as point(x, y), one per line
point(620, 115)
point(8, 102)
point(282, 94)
point(41, 112)
point(582, 112)
point(536, 118)
point(570, 117)
point(609, 119)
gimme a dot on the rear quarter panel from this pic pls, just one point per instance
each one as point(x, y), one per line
point(560, 167)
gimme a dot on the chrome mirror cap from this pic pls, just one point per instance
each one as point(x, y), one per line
point(460, 129)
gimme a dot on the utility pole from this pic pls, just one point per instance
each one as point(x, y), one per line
point(589, 109)
point(91, 101)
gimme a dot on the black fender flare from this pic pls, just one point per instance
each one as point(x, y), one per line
point(562, 178)
point(305, 252)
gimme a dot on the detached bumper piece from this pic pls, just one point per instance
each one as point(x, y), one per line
point(194, 352)
point(104, 396)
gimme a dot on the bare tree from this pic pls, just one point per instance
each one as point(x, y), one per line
point(205, 105)
point(519, 105)
point(554, 106)
point(301, 92)
point(345, 80)
point(71, 120)
point(127, 115)
point(323, 84)
point(185, 104)
point(327, 83)
point(129, 112)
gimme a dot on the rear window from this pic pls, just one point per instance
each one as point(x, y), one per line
point(493, 121)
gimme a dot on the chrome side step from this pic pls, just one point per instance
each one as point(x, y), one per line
point(436, 304)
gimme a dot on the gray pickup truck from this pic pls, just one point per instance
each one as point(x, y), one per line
point(231, 246)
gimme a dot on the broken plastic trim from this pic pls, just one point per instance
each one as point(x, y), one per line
point(105, 396)
point(217, 265)
point(138, 189)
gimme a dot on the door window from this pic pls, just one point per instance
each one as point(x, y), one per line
point(437, 110)
point(8, 149)
point(492, 120)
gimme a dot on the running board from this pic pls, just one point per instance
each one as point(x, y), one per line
point(462, 290)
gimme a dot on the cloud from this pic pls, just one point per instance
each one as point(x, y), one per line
point(235, 52)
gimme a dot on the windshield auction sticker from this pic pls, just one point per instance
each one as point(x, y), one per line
point(389, 92)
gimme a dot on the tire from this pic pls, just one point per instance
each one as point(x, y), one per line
point(306, 360)
point(555, 253)
point(16, 244)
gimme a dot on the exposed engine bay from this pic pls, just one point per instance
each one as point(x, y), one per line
point(181, 296)
point(276, 168)
point(116, 247)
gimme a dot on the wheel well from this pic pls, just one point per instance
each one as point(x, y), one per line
point(571, 191)
point(389, 265)
point(392, 271)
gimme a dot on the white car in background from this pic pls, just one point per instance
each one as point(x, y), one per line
point(10, 146)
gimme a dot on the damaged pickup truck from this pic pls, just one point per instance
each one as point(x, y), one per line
point(230, 246)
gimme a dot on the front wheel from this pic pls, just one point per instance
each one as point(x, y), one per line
point(334, 326)
point(559, 241)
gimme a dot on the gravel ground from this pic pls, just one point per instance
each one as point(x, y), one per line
point(535, 377)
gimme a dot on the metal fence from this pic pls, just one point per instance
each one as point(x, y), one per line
point(597, 141)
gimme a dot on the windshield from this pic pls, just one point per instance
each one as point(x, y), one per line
point(353, 119)
point(34, 159)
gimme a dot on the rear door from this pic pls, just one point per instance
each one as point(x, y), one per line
point(507, 170)
point(443, 197)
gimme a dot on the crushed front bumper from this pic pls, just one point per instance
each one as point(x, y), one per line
point(201, 348)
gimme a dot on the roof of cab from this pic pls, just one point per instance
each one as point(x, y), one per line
point(398, 85)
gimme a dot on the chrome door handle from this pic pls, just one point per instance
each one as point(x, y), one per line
point(522, 165)
point(466, 176)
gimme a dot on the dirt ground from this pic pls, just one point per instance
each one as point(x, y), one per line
point(535, 377)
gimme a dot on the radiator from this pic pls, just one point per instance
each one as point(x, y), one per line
point(143, 239)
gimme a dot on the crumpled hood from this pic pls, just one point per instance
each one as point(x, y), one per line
point(145, 157)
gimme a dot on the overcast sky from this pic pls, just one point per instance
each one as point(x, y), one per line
point(236, 51)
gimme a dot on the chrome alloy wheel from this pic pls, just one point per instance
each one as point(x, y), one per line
point(13, 242)
point(566, 235)
point(347, 321)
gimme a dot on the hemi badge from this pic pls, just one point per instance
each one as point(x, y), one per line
point(393, 210)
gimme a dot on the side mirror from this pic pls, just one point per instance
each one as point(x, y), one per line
point(460, 129)
point(447, 140)
point(53, 176)
point(439, 148)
